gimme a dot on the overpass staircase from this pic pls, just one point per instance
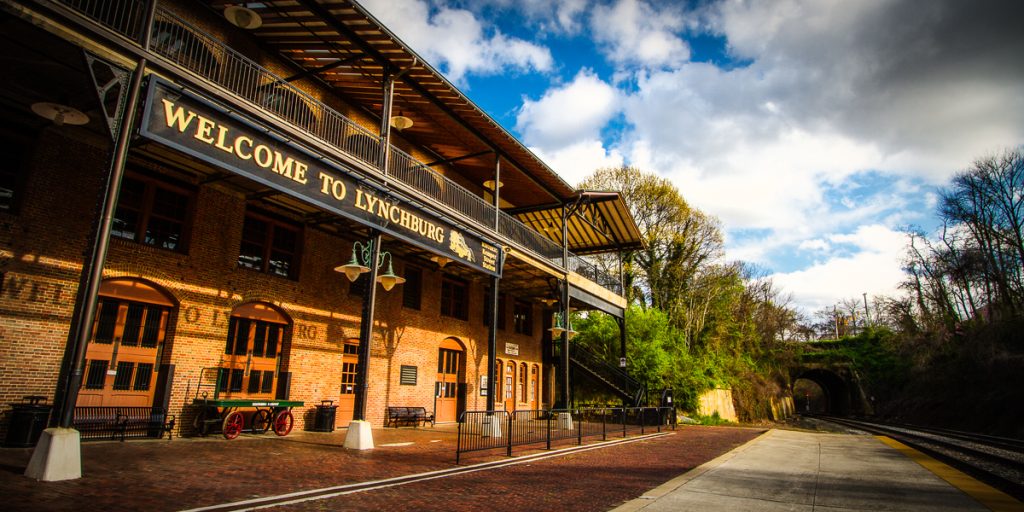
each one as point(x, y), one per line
point(613, 378)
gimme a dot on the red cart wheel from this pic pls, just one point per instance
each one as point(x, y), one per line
point(260, 422)
point(233, 425)
point(283, 423)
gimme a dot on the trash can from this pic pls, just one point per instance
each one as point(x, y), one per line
point(325, 413)
point(28, 420)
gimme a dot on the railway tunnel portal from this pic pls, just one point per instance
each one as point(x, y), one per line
point(841, 393)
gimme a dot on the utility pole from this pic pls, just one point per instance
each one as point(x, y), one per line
point(835, 315)
point(867, 313)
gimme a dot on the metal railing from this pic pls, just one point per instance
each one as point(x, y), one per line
point(189, 47)
point(616, 378)
point(492, 430)
point(124, 17)
point(581, 266)
point(207, 57)
point(439, 188)
point(539, 244)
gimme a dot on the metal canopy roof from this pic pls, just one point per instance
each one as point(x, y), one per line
point(598, 222)
point(339, 43)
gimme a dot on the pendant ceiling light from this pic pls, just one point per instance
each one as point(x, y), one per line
point(440, 260)
point(243, 17)
point(400, 122)
point(60, 114)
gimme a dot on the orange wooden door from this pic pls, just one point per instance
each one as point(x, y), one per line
point(347, 397)
point(509, 386)
point(534, 387)
point(251, 354)
point(121, 358)
point(446, 388)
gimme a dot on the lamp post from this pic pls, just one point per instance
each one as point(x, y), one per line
point(366, 258)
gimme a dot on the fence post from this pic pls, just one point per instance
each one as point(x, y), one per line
point(458, 444)
point(604, 425)
point(550, 413)
point(509, 432)
point(579, 427)
point(643, 413)
point(623, 421)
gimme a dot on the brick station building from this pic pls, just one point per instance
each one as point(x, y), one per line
point(251, 153)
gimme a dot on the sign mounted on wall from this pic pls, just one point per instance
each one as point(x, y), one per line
point(512, 349)
point(197, 127)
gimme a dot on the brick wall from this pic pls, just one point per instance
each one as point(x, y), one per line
point(41, 248)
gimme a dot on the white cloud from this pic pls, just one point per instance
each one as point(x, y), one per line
point(568, 114)
point(456, 40)
point(931, 88)
point(633, 32)
point(822, 96)
point(831, 92)
point(580, 160)
point(555, 16)
point(874, 269)
point(816, 244)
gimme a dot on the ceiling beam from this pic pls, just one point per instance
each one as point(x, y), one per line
point(325, 67)
point(458, 158)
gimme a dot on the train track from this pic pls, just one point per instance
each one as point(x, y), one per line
point(997, 461)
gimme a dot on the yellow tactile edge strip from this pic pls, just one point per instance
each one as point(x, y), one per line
point(988, 496)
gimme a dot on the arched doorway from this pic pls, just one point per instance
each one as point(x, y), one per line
point(450, 387)
point(524, 374)
point(347, 397)
point(534, 387)
point(251, 360)
point(124, 352)
point(509, 386)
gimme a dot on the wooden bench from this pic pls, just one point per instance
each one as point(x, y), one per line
point(408, 416)
point(111, 422)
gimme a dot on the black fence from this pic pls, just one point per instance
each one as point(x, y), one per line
point(492, 430)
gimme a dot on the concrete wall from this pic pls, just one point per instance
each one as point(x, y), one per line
point(720, 401)
point(782, 407)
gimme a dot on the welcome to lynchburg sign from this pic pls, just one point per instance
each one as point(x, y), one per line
point(197, 127)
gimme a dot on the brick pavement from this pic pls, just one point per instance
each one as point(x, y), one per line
point(185, 473)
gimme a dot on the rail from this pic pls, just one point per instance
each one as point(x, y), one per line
point(614, 377)
point(207, 57)
point(996, 461)
point(493, 430)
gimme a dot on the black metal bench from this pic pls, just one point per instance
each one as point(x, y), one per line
point(111, 422)
point(408, 416)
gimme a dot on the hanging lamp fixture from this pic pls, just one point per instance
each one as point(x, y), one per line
point(243, 17)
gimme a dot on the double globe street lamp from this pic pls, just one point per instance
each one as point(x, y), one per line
point(359, 265)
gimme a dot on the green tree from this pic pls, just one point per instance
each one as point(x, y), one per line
point(679, 240)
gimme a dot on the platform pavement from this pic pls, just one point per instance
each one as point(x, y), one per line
point(803, 471)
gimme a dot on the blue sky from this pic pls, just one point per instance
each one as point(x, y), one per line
point(813, 130)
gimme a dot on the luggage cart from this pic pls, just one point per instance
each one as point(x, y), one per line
point(230, 414)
